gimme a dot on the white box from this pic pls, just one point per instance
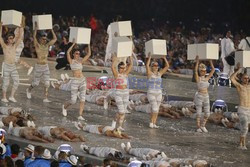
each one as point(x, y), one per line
point(123, 46)
point(205, 51)
point(123, 28)
point(247, 46)
point(44, 22)
point(156, 47)
point(11, 18)
point(242, 57)
point(81, 35)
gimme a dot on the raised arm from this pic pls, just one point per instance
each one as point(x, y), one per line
point(149, 72)
point(212, 70)
point(234, 75)
point(19, 38)
point(88, 54)
point(51, 42)
point(130, 65)
point(68, 52)
point(1, 38)
point(113, 66)
point(196, 69)
point(34, 36)
point(164, 70)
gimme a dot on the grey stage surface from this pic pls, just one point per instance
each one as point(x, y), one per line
point(177, 138)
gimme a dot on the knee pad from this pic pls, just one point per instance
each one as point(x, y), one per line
point(73, 101)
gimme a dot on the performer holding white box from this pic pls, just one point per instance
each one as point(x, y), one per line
point(121, 88)
point(156, 47)
point(154, 93)
point(11, 18)
point(207, 51)
point(9, 63)
point(44, 22)
point(41, 67)
point(81, 35)
point(227, 46)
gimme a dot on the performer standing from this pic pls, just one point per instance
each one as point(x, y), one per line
point(78, 83)
point(227, 46)
point(243, 89)
point(9, 63)
point(41, 67)
point(20, 47)
point(121, 85)
point(154, 93)
point(201, 98)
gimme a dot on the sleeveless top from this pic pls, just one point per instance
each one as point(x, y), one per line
point(75, 65)
point(154, 82)
point(122, 79)
point(202, 84)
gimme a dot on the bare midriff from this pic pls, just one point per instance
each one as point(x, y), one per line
point(9, 54)
point(121, 86)
point(203, 91)
point(244, 93)
point(77, 74)
point(42, 54)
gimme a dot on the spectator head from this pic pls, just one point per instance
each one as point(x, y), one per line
point(65, 148)
point(8, 161)
point(28, 150)
point(135, 163)
point(38, 151)
point(15, 149)
point(2, 135)
point(19, 163)
point(46, 154)
point(54, 164)
point(72, 160)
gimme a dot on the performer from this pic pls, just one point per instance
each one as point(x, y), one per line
point(227, 46)
point(101, 129)
point(154, 93)
point(9, 63)
point(121, 88)
point(19, 49)
point(201, 98)
point(41, 67)
point(243, 89)
point(60, 133)
point(78, 83)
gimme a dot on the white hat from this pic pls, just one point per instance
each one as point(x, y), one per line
point(65, 148)
point(2, 132)
point(72, 160)
point(55, 156)
point(3, 149)
point(30, 148)
point(46, 154)
point(135, 163)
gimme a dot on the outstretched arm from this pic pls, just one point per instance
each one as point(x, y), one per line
point(88, 54)
point(54, 38)
point(69, 50)
point(233, 77)
point(212, 70)
point(196, 69)
point(34, 36)
point(149, 72)
point(164, 70)
point(130, 65)
point(1, 38)
point(114, 62)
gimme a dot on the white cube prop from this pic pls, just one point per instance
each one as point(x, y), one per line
point(156, 47)
point(44, 22)
point(205, 51)
point(123, 46)
point(247, 46)
point(11, 18)
point(123, 28)
point(81, 35)
point(242, 57)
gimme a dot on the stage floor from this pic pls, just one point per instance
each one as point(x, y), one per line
point(177, 138)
